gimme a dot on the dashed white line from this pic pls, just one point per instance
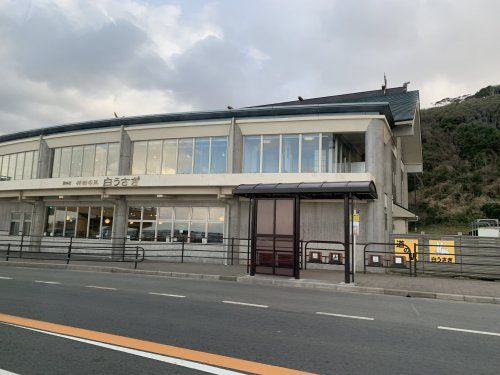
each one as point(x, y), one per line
point(167, 295)
point(245, 304)
point(469, 331)
point(47, 282)
point(345, 316)
point(5, 278)
point(99, 287)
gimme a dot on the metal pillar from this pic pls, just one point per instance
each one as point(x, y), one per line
point(347, 262)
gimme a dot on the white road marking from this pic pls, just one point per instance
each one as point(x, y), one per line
point(47, 282)
point(5, 372)
point(157, 357)
point(167, 295)
point(345, 316)
point(99, 287)
point(5, 278)
point(469, 331)
point(245, 304)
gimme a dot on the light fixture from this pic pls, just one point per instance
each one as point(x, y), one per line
point(107, 221)
point(61, 196)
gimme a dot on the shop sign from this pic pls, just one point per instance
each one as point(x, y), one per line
point(401, 250)
point(103, 182)
point(442, 251)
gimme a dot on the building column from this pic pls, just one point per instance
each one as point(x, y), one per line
point(388, 189)
point(119, 232)
point(233, 230)
point(399, 174)
point(125, 163)
point(37, 224)
point(374, 156)
point(44, 161)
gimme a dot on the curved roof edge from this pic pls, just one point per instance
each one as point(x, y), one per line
point(382, 108)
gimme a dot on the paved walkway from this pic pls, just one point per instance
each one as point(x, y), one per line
point(388, 282)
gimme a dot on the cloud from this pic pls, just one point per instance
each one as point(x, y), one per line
point(72, 60)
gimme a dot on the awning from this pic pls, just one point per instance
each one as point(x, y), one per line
point(310, 190)
point(399, 212)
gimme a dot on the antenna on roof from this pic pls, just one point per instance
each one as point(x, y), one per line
point(301, 99)
point(384, 86)
point(116, 116)
point(405, 85)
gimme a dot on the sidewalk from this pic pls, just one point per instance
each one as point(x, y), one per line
point(422, 286)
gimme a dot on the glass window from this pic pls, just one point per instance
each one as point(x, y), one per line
point(139, 158)
point(328, 153)
point(164, 230)
point(216, 213)
point(197, 232)
point(76, 161)
point(270, 153)
point(94, 222)
point(5, 167)
point(101, 153)
point(28, 165)
point(133, 229)
point(20, 166)
point(154, 157)
point(88, 160)
point(148, 231)
point(251, 156)
point(165, 213)
point(169, 161)
point(218, 158)
point(12, 166)
point(50, 221)
point(56, 165)
point(199, 213)
point(310, 153)
point(215, 232)
point(113, 159)
point(60, 216)
point(185, 156)
point(181, 213)
point(65, 162)
point(149, 213)
point(15, 223)
point(107, 222)
point(201, 155)
point(34, 171)
point(70, 222)
point(181, 230)
point(82, 223)
point(134, 213)
point(290, 153)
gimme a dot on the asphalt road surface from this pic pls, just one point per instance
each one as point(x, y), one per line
point(243, 326)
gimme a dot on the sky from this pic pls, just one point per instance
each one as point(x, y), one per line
point(67, 61)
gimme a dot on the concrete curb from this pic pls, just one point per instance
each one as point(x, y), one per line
point(263, 280)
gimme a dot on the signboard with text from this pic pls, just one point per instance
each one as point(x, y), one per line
point(401, 250)
point(442, 251)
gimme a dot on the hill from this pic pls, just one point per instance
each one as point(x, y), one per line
point(461, 179)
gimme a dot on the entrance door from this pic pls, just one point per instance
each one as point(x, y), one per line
point(275, 237)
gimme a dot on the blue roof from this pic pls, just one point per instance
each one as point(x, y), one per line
point(403, 103)
point(275, 110)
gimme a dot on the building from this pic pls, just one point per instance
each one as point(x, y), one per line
point(170, 177)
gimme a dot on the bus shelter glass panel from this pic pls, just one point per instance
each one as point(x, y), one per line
point(274, 237)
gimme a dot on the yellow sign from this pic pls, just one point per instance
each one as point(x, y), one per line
point(442, 251)
point(402, 250)
point(355, 217)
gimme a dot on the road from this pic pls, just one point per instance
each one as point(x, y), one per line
point(308, 330)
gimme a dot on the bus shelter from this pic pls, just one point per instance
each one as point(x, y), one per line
point(274, 218)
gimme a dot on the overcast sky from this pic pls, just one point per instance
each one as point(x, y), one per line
point(68, 60)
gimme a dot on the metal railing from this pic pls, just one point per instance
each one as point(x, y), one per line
point(470, 261)
point(230, 251)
